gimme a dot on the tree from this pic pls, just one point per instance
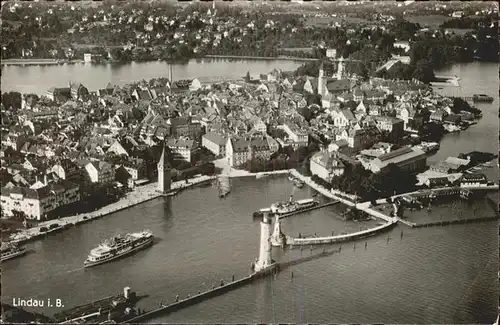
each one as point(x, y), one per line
point(12, 100)
point(424, 71)
point(122, 175)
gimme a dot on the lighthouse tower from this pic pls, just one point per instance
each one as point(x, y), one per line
point(164, 176)
point(264, 260)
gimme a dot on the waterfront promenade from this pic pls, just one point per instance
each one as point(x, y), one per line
point(138, 195)
point(364, 206)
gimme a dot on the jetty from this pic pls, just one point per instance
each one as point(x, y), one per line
point(280, 239)
point(454, 221)
point(407, 223)
point(100, 310)
point(222, 288)
point(260, 213)
point(321, 189)
point(319, 206)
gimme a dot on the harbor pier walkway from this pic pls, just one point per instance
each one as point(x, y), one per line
point(407, 223)
point(179, 304)
point(319, 206)
point(339, 238)
point(365, 206)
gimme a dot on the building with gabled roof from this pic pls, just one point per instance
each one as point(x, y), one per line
point(37, 203)
point(100, 172)
point(326, 165)
point(215, 142)
point(240, 150)
point(183, 148)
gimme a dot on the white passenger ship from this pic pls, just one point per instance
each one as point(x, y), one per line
point(119, 246)
point(281, 208)
point(10, 251)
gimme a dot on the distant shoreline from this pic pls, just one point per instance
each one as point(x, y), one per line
point(41, 61)
point(249, 57)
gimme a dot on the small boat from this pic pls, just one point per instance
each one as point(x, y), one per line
point(11, 250)
point(259, 176)
point(298, 183)
point(119, 246)
point(482, 98)
point(451, 128)
point(429, 147)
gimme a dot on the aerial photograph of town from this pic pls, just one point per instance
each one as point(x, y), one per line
point(249, 162)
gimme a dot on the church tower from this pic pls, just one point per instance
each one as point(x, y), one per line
point(321, 76)
point(164, 176)
point(340, 70)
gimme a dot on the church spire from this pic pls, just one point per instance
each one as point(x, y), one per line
point(162, 158)
point(164, 176)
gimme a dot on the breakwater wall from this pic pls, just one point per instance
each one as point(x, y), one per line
point(408, 223)
point(453, 222)
point(493, 205)
point(214, 292)
point(340, 238)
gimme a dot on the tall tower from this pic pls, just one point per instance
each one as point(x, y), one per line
point(264, 260)
point(320, 79)
point(164, 176)
point(340, 70)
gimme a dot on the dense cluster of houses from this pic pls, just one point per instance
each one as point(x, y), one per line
point(72, 137)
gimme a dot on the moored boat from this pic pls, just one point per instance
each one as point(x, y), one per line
point(451, 128)
point(482, 98)
point(298, 183)
point(119, 246)
point(11, 250)
point(429, 147)
point(281, 208)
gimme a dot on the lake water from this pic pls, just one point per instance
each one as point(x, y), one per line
point(435, 275)
point(37, 79)
point(475, 78)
